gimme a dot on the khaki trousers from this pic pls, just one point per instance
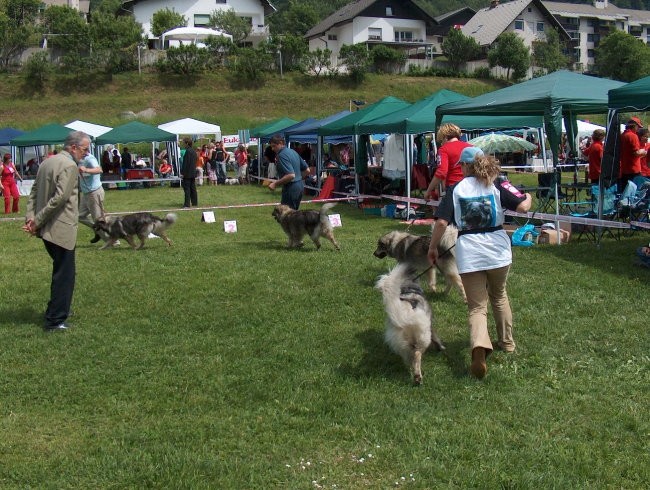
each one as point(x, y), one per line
point(91, 207)
point(481, 286)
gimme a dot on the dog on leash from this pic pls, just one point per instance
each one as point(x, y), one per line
point(297, 224)
point(408, 317)
point(413, 250)
point(132, 225)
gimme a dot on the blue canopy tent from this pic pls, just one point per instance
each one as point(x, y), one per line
point(307, 132)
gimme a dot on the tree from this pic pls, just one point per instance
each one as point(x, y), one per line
point(248, 67)
point(115, 38)
point(356, 60)
point(36, 71)
point(292, 48)
point(459, 48)
point(623, 57)
point(220, 48)
point(510, 53)
point(166, 19)
point(17, 26)
point(296, 19)
point(66, 29)
point(387, 60)
point(548, 54)
point(227, 21)
point(318, 62)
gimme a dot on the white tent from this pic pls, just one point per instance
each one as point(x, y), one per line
point(191, 126)
point(93, 130)
point(191, 34)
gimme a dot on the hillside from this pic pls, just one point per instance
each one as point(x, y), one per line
point(211, 99)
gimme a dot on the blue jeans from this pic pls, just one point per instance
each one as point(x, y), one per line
point(292, 194)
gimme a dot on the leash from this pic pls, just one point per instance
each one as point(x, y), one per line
point(431, 266)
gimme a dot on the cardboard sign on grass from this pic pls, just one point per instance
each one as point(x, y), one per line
point(230, 226)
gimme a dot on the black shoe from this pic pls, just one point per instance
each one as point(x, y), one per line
point(96, 238)
point(62, 327)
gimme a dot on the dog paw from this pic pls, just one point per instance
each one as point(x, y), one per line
point(417, 379)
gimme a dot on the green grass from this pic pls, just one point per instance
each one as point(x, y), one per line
point(227, 361)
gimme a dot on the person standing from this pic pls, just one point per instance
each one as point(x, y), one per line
point(594, 153)
point(126, 162)
point(91, 204)
point(483, 252)
point(188, 174)
point(448, 171)
point(292, 170)
point(241, 159)
point(9, 186)
point(52, 215)
point(631, 153)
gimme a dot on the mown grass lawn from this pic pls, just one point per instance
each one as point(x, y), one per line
point(227, 361)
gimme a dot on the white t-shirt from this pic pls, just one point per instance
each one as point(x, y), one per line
point(477, 210)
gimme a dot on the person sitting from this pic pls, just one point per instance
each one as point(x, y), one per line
point(165, 169)
point(643, 253)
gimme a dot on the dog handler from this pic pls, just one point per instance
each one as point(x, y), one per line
point(483, 253)
point(91, 204)
point(292, 170)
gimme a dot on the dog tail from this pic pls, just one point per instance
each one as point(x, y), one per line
point(171, 218)
point(323, 212)
point(398, 287)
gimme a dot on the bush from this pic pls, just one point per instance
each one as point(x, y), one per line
point(187, 59)
point(36, 71)
point(482, 72)
point(248, 68)
point(387, 60)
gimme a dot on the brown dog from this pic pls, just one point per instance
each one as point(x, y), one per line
point(297, 224)
point(413, 250)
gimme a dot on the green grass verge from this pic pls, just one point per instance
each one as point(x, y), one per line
point(227, 361)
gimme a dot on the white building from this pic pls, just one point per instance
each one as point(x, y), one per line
point(198, 13)
point(588, 24)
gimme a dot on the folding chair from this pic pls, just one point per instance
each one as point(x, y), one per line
point(546, 190)
point(609, 212)
point(634, 204)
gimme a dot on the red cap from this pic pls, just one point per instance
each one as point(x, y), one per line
point(636, 121)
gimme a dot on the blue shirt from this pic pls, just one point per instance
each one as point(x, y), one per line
point(89, 182)
point(289, 162)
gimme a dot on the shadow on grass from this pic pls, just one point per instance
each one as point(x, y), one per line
point(23, 316)
point(377, 360)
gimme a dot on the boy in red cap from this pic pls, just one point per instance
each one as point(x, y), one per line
point(631, 153)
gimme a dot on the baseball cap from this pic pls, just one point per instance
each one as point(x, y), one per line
point(636, 121)
point(469, 154)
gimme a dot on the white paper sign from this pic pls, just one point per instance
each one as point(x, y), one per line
point(335, 220)
point(208, 217)
point(230, 226)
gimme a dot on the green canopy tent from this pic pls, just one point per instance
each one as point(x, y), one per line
point(50, 134)
point(631, 97)
point(554, 96)
point(264, 133)
point(137, 132)
point(417, 118)
point(351, 125)
point(269, 129)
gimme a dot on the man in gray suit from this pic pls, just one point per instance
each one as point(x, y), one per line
point(52, 215)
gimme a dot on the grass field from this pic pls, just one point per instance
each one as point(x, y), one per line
point(227, 361)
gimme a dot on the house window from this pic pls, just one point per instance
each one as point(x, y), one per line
point(201, 20)
point(221, 1)
point(590, 53)
point(374, 33)
point(389, 11)
point(403, 36)
point(519, 25)
point(332, 37)
point(530, 10)
point(540, 27)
